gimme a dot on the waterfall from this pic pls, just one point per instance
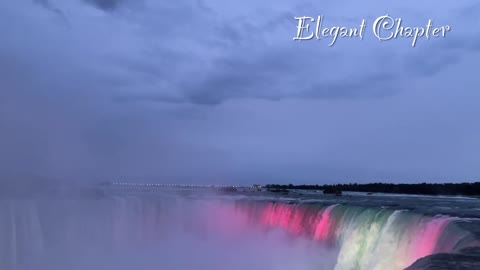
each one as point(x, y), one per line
point(367, 238)
point(51, 233)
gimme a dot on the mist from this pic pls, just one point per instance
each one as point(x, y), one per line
point(145, 233)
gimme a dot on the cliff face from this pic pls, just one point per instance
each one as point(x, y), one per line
point(468, 259)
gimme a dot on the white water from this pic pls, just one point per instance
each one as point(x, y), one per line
point(139, 234)
point(156, 233)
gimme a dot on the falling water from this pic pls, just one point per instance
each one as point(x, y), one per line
point(367, 238)
point(76, 233)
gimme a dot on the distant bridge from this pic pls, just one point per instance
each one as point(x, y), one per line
point(195, 186)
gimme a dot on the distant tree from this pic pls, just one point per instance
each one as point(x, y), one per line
point(332, 190)
point(467, 189)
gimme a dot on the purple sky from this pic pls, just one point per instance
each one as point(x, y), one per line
point(217, 91)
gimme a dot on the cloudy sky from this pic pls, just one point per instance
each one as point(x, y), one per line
point(210, 91)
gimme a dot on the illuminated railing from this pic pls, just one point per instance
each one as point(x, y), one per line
point(133, 184)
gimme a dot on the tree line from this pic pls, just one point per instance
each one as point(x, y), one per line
point(466, 189)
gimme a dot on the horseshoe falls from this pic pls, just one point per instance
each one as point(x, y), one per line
point(208, 231)
point(366, 238)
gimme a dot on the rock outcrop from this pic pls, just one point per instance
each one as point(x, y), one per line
point(468, 259)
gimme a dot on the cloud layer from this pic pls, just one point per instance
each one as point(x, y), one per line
point(209, 91)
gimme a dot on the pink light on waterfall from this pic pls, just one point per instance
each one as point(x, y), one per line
point(428, 237)
point(268, 215)
point(285, 214)
point(298, 220)
point(324, 225)
point(297, 224)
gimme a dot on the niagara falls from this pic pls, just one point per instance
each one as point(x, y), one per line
point(239, 135)
point(126, 227)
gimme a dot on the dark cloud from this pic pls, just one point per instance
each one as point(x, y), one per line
point(469, 42)
point(107, 5)
point(371, 86)
point(206, 91)
point(431, 62)
point(49, 6)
